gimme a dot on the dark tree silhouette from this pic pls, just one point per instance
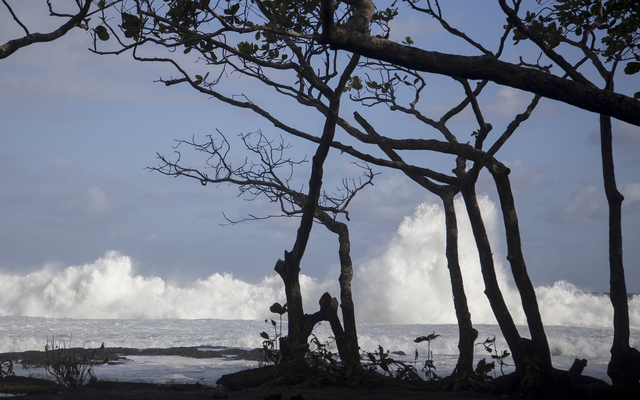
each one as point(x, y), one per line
point(271, 177)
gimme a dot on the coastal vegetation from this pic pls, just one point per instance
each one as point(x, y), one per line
point(335, 58)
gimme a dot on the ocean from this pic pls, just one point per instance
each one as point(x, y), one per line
point(400, 294)
point(33, 333)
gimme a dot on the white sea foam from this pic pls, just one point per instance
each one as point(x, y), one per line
point(108, 288)
point(408, 283)
point(29, 333)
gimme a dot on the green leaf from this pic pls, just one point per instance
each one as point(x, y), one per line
point(102, 33)
point(408, 41)
point(131, 25)
point(276, 308)
point(264, 335)
point(427, 338)
point(245, 47)
point(233, 9)
point(632, 68)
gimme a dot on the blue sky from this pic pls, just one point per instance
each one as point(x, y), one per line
point(79, 130)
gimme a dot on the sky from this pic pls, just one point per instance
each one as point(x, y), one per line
point(79, 132)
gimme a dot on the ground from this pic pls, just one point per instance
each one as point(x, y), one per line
point(293, 384)
point(44, 390)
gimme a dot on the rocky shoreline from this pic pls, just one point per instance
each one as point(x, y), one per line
point(253, 384)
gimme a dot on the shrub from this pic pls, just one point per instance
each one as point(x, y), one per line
point(66, 366)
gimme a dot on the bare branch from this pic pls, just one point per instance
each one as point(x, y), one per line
point(14, 45)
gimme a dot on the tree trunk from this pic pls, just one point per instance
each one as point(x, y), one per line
point(624, 367)
point(347, 347)
point(519, 269)
point(492, 289)
point(295, 344)
point(468, 335)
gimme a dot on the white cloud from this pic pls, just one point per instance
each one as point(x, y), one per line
point(585, 205)
point(631, 204)
point(507, 102)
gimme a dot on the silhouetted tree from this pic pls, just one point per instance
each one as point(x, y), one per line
point(518, 76)
point(290, 47)
point(271, 177)
point(607, 34)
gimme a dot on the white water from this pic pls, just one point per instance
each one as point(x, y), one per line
point(407, 284)
point(30, 333)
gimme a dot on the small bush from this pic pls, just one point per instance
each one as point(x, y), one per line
point(66, 366)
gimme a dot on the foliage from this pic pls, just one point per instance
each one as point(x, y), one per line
point(609, 28)
point(66, 366)
point(532, 379)
point(393, 368)
point(320, 357)
point(429, 367)
point(614, 22)
point(483, 368)
point(270, 345)
point(499, 357)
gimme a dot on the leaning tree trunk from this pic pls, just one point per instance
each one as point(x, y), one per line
point(468, 334)
point(294, 345)
point(492, 289)
point(624, 367)
point(299, 329)
point(519, 269)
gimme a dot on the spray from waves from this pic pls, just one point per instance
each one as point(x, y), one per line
point(411, 278)
point(108, 288)
point(408, 283)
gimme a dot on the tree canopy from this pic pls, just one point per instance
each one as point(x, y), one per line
point(292, 48)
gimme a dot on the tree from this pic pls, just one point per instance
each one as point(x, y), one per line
point(481, 67)
point(264, 178)
point(288, 46)
point(80, 19)
point(179, 27)
point(605, 33)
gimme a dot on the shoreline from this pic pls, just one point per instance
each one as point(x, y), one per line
point(35, 387)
